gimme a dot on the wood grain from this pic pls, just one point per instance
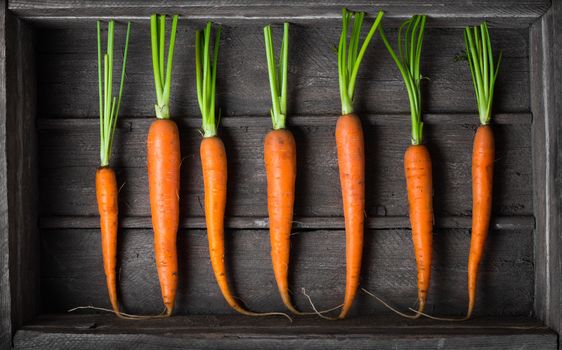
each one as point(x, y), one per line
point(235, 332)
point(72, 274)
point(67, 73)
point(69, 157)
point(19, 236)
point(506, 13)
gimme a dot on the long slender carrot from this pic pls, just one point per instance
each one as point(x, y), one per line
point(214, 162)
point(106, 181)
point(163, 154)
point(280, 156)
point(351, 153)
point(481, 61)
point(417, 161)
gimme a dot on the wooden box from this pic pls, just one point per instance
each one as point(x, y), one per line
point(50, 256)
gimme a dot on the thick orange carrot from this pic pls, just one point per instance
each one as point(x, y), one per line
point(281, 169)
point(351, 161)
point(417, 166)
point(164, 187)
point(106, 193)
point(482, 177)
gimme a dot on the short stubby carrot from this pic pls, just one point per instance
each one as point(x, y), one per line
point(417, 166)
point(351, 161)
point(164, 185)
point(106, 193)
point(281, 169)
point(482, 178)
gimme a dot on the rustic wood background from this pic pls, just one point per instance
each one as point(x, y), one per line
point(71, 266)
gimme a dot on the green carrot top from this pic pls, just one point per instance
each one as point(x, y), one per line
point(350, 58)
point(109, 104)
point(410, 39)
point(162, 74)
point(277, 76)
point(481, 61)
point(206, 77)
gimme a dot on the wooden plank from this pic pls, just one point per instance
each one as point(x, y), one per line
point(300, 223)
point(67, 73)
point(547, 105)
point(235, 332)
point(72, 274)
point(504, 12)
point(5, 290)
point(69, 157)
point(45, 123)
point(19, 253)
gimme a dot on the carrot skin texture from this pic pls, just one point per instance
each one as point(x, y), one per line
point(106, 194)
point(483, 154)
point(164, 161)
point(280, 158)
point(214, 164)
point(351, 161)
point(417, 166)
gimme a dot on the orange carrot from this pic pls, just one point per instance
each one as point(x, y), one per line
point(483, 71)
point(351, 162)
point(281, 169)
point(417, 161)
point(164, 160)
point(351, 153)
point(482, 176)
point(106, 194)
point(214, 163)
point(280, 157)
point(417, 166)
point(106, 182)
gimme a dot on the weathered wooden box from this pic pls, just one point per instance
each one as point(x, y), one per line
point(50, 257)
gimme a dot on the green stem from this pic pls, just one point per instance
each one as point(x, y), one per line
point(277, 76)
point(350, 56)
point(482, 69)
point(109, 104)
point(409, 48)
point(162, 73)
point(206, 75)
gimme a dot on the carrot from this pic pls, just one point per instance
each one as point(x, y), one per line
point(163, 155)
point(351, 153)
point(280, 156)
point(106, 182)
point(481, 61)
point(214, 162)
point(417, 161)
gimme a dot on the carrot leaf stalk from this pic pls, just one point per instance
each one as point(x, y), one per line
point(481, 61)
point(350, 56)
point(206, 76)
point(162, 73)
point(410, 38)
point(277, 76)
point(109, 104)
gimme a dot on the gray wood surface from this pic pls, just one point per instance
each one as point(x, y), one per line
point(72, 273)
point(67, 173)
point(67, 72)
point(19, 235)
point(504, 12)
point(546, 101)
point(234, 332)
point(299, 223)
point(5, 290)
